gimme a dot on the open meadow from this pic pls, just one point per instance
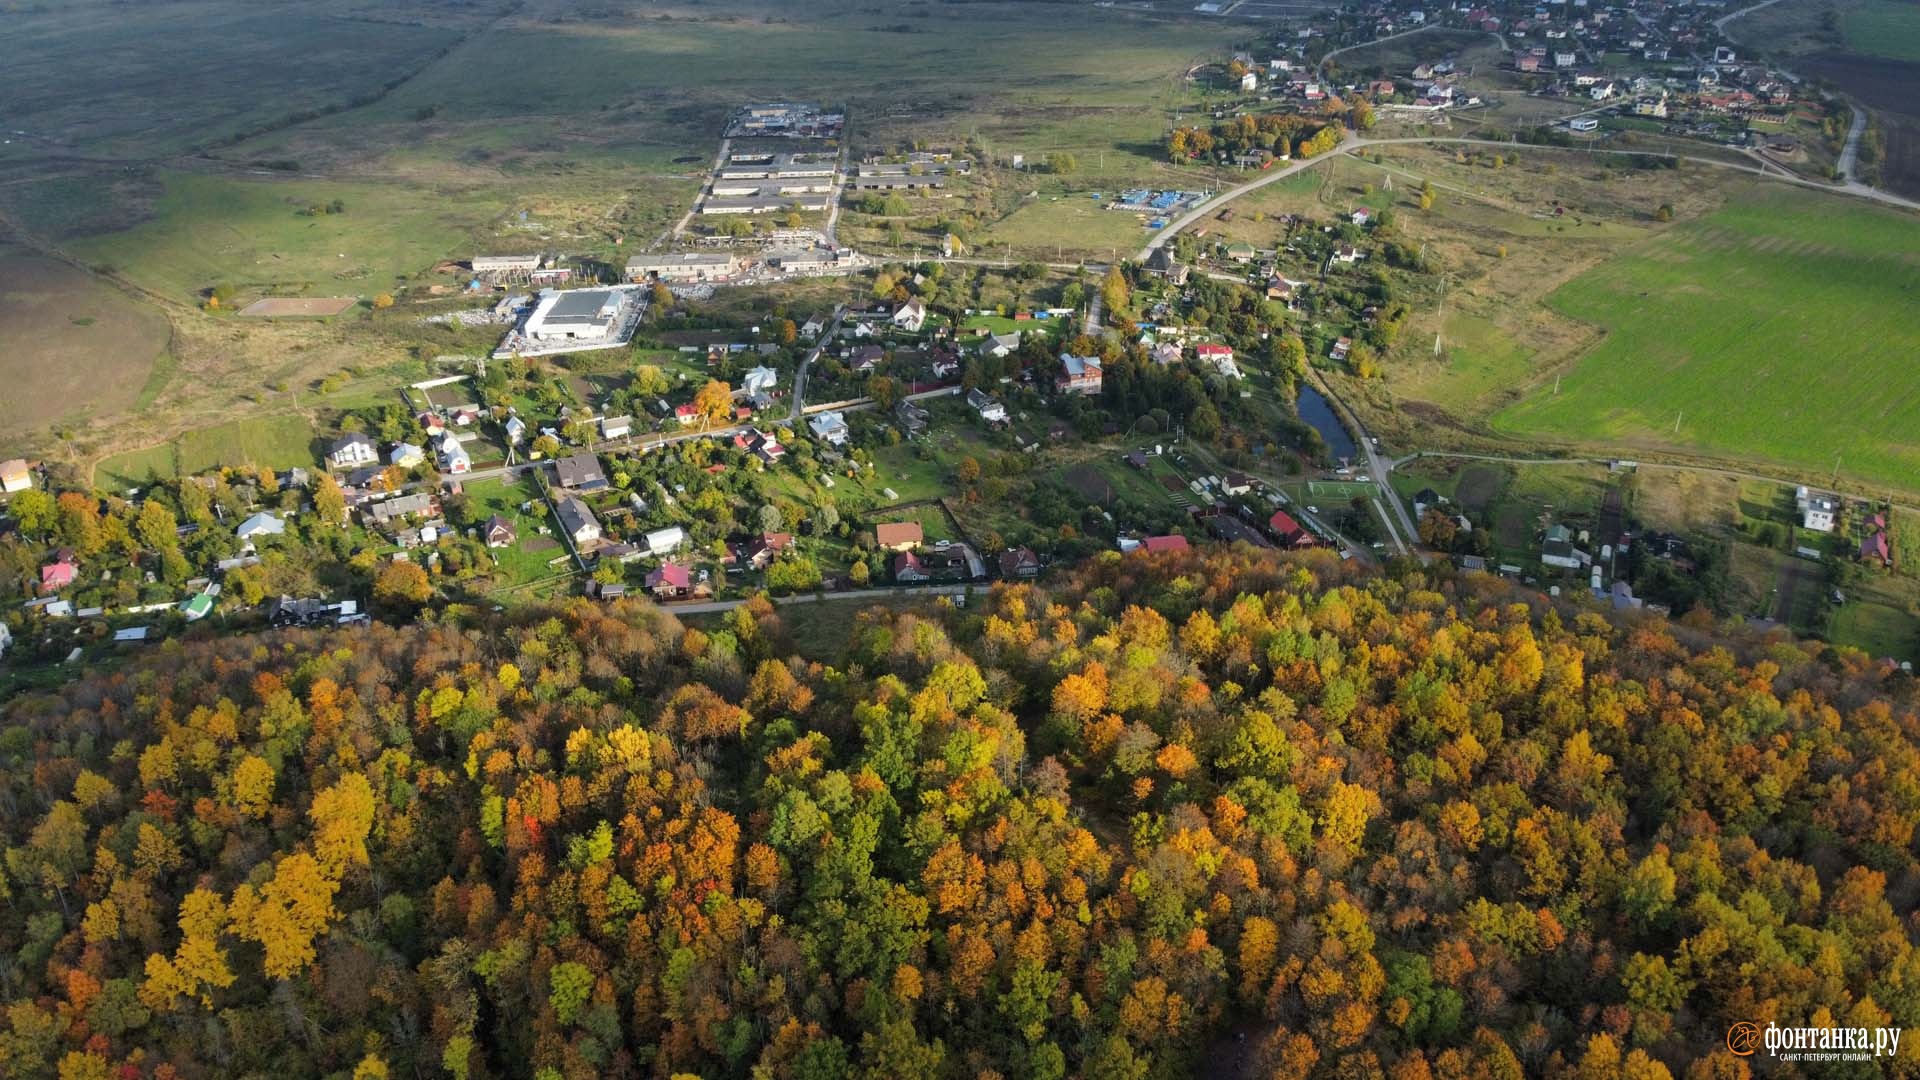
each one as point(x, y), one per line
point(1778, 329)
point(74, 345)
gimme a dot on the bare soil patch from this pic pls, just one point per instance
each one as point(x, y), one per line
point(314, 307)
point(74, 346)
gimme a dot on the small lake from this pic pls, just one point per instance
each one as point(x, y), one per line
point(1317, 412)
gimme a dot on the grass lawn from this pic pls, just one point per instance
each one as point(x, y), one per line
point(1877, 629)
point(249, 233)
point(529, 559)
point(274, 442)
point(1784, 314)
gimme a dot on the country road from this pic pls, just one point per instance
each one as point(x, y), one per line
point(706, 607)
point(1715, 470)
point(1361, 142)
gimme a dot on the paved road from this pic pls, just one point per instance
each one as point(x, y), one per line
point(719, 159)
point(800, 376)
point(703, 607)
point(833, 195)
point(1378, 468)
point(1720, 23)
point(1353, 143)
point(1850, 154)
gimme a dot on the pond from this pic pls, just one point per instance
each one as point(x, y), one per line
point(1318, 414)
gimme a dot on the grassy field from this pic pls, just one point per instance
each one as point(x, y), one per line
point(74, 346)
point(1889, 28)
point(139, 98)
point(1783, 317)
point(252, 234)
point(274, 442)
point(529, 559)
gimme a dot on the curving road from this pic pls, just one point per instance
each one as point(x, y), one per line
point(1361, 142)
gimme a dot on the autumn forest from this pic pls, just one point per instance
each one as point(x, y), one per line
point(1205, 813)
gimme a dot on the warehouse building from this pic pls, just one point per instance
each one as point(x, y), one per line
point(577, 315)
point(684, 266)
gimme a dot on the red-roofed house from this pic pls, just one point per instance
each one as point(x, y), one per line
point(687, 415)
point(57, 575)
point(906, 567)
point(669, 581)
point(898, 535)
point(1288, 531)
point(1165, 543)
point(1876, 547)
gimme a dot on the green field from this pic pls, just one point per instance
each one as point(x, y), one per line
point(251, 234)
point(275, 442)
point(108, 77)
point(1889, 28)
point(1779, 329)
point(1878, 630)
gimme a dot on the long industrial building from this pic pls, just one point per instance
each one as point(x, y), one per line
point(686, 266)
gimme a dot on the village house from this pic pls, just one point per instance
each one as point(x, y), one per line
point(911, 316)
point(1157, 544)
point(1162, 264)
point(1081, 375)
point(516, 430)
point(999, 346)
point(1019, 562)
point(616, 427)
point(498, 532)
point(351, 451)
point(829, 427)
point(907, 568)
point(580, 472)
point(898, 535)
point(1288, 532)
point(1817, 509)
point(1341, 347)
point(387, 511)
point(260, 524)
point(59, 573)
point(988, 409)
point(15, 476)
point(577, 521)
point(759, 552)
point(671, 581)
point(866, 357)
point(454, 460)
point(912, 418)
point(406, 455)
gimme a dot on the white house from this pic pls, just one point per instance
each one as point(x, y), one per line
point(454, 459)
point(760, 380)
point(1817, 509)
point(830, 426)
point(406, 455)
point(260, 524)
point(990, 410)
point(352, 451)
point(911, 316)
point(616, 427)
point(516, 430)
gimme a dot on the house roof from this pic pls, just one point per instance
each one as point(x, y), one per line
point(1282, 523)
point(1165, 543)
point(575, 516)
point(889, 533)
point(497, 524)
point(670, 575)
point(579, 470)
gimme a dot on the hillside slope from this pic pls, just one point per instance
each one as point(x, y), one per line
point(1403, 827)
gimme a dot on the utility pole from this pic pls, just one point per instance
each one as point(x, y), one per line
point(1441, 328)
point(1676, 421)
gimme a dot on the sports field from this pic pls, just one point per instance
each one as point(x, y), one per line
point(1777, 330)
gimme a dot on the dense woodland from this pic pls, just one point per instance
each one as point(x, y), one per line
point(1400, 826)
